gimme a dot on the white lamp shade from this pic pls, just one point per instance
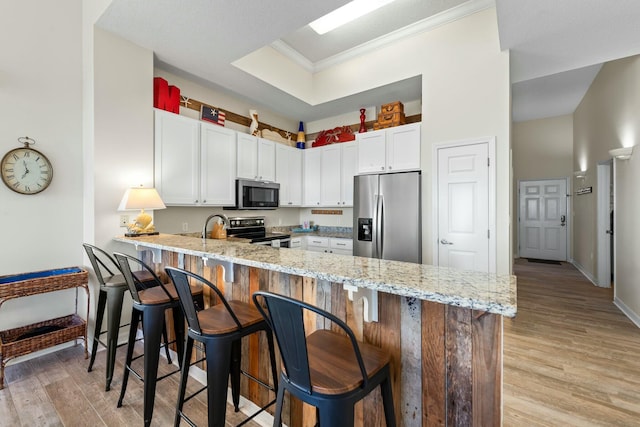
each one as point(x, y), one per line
point(141, 198)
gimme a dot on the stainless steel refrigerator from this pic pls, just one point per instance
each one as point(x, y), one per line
point(387, 217)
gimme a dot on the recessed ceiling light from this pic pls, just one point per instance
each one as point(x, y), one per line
point(345, 14)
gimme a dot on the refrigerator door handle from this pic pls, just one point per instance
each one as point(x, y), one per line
point(379, 225)
point(375, 230)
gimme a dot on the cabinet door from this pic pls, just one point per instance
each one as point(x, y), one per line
point(295, 176)
point(403, 148)
point(218, 165)
point(282, 173)
point(330, 175)
point(247, 156)
point(266, 160)
point(371, 152)
point(349, 170)
point(177, 164)
point(311, 171)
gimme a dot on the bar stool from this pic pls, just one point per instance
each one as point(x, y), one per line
point(326, 369)
point(219, 328)
point(111, 296)
point(150, 301)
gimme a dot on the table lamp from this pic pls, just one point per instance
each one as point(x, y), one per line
point(141, 198)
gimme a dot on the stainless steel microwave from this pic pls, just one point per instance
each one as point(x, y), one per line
point(251, 194)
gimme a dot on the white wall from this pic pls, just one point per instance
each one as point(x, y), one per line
point(608, 118)
point(41, 97)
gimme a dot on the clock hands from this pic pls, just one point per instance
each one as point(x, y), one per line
point(26, 169)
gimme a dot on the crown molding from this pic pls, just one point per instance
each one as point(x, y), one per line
point(427, 24)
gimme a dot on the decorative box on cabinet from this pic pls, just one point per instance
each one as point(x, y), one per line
point(39, 336)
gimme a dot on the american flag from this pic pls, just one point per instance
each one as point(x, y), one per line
point(212, 115)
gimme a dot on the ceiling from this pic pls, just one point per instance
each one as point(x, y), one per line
point(557, 47)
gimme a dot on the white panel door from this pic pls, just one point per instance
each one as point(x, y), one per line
point(463, 207)
point(543, 219)
point(218, 165)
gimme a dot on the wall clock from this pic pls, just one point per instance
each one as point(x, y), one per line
point(25, 170)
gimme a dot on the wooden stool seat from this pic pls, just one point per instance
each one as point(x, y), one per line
point(216, 319)
point(157, 294)
point(333, 366)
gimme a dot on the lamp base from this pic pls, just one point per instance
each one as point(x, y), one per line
point(152, 233)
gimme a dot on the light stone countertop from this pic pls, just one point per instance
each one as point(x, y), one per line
point(479, 291)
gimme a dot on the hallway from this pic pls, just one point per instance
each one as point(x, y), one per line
point(571, 358)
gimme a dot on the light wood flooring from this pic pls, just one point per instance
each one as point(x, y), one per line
point(571, 358)
point(56, 390)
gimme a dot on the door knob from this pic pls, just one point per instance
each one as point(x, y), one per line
point(446, 242)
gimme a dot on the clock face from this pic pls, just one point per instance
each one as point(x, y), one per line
point(26, 171)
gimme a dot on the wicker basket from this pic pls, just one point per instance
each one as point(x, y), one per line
point(41, 282)
point(71, 327)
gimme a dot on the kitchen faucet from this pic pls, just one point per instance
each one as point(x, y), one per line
point(224, 218)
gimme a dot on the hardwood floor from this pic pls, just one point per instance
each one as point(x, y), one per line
point(56, 390)
point(571, 358)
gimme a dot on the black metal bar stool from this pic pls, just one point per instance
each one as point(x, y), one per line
point(111, 295)
point(150, 301)
point(219, 328)
point(326, 369)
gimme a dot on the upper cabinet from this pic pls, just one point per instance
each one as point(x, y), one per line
point(328, 175)
point(194, 161)
point(177, 158)
point(218, 167)
point(389, 150)
point(256, 158)
point(289, 175)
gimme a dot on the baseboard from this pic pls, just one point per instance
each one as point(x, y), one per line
point(584, 272)
point(633, 316)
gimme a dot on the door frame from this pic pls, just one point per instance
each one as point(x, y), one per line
point(491, 151)
point(569, 224)
point(603, 222)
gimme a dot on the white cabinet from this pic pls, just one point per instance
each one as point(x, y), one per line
point(218, 165)
point(194, 161)
point(177, 158)
point(256, 158)
point(311, 172)
point(289, 175)
point(328, 175)
point(389, 150)
point(330, 245)
point(348, 171)
point(341, 246)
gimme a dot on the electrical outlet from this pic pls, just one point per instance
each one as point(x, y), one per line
point(185, 226)
point(124, 220)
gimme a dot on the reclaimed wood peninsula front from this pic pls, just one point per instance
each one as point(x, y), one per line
point(444, 327)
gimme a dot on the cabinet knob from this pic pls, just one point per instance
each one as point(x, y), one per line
point(389, 167)
point(382, 168)
point(196, 201)
point(204, 201)
point(317, 203)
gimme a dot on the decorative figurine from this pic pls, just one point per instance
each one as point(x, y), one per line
point(253, 128)
point(363, 128)
point(301, 137)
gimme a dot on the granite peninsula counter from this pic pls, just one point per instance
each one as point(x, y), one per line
point(443, 326)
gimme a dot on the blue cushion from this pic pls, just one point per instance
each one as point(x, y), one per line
point(39, 274)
